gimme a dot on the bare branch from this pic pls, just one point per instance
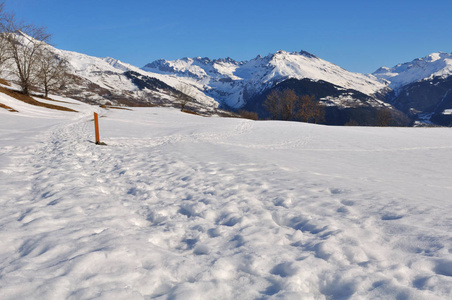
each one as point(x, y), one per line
point(23, 46)
point(53, 71)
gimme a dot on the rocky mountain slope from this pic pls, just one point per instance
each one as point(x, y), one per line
point(108, 80)
point(422, 87)
point(234, 83)
point(433, 65)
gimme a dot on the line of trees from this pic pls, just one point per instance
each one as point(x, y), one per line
point(287, 105)
point(25, 54)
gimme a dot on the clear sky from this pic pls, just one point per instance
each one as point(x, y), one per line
point(359, 36)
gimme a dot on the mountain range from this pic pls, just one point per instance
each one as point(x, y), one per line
point(419, 89)
point(417, 92)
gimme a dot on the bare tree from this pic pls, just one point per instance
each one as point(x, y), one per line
point(282, 104)
point(3, 54)
point(384, 117)
point(286, 105)
point(52, 71)
point(24, 44)
point(273, 105)
point(183, 95)
point(3, 43)
point(289, 101)
point(311, 110)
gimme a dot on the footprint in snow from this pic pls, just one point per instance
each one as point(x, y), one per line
point(201, 250)
point(335, 191)
point(391, 217)
point(343, 209)
point(273, 289)
point(228, 219)
point(348, 202)
point(444, 267)
point(285, 269)
point(214, 232)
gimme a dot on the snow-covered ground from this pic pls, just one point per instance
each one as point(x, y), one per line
point(179, 206)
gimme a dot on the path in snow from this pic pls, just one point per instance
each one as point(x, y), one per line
point(180, 207)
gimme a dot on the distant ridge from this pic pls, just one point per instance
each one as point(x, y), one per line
point(434, 65)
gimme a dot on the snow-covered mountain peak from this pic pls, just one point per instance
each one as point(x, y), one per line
point(199, 68)
point(307, 54)
point(283, 53)
point(230, 60)
point(200, 60)
point(303, 64)
point(437, 64)
point(439, 55)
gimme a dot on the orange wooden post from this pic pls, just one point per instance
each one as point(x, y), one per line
point(96, 128)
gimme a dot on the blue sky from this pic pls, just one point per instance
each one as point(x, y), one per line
point(359, 36)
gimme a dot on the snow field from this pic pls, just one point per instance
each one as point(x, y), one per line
point(183, 207)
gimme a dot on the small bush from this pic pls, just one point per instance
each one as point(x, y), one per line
point(248, 114)
point(190, 112)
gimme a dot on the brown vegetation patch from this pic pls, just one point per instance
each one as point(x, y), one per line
point(227, 114)
point(7, 108)
point(4, 82)
point(114, 107)
point(191, 112)
point(248, 115)
point(30, 100)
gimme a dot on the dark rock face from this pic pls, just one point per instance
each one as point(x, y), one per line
point(150, 83)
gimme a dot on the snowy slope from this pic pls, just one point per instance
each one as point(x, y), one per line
point(232, 82)
point(183, 207)
point(101, 80)
point(433, 65)
point(198, 68)
point(305, 65)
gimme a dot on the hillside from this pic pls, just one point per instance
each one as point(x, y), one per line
point(107, 80)
point(102, 80)
point(179, 206)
